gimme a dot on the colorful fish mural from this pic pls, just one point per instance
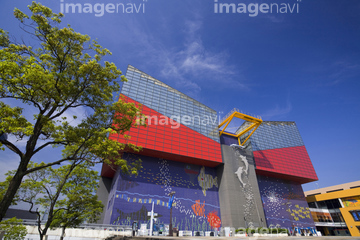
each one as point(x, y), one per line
point(206, 181)
point(133, 195)
point(198, 208)
point(214, 219)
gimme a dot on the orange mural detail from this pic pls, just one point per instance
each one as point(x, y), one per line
point(214, 219)
point(198, 208)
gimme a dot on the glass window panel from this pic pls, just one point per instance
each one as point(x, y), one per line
point(355, 215)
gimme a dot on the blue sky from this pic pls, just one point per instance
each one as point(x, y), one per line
point(302, 66)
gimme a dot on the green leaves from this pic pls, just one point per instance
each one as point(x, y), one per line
point(64, 72)
point(12, 121)
point(60, 72)
point(14, 230)
point(4, 38)
point(20, 15)
point(81, 201)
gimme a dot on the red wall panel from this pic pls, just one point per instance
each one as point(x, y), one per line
point(178, 144)
point(292, 163)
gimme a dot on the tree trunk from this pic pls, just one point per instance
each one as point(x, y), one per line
point(42, 236)
point(62, 233)
point(12, 189)
point(21, 170)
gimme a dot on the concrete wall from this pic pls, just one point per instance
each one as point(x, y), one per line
point(240, 203)
point(103, 194)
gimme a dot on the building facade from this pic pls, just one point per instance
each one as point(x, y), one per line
point(217, 183)
point(336, 209)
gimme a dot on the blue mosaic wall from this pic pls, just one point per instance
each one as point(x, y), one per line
point(196, 203)
point(284, 203)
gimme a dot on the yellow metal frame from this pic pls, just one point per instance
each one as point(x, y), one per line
point(255, 124)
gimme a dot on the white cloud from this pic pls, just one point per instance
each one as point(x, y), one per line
point(341, 71)
point(277, 111)
point(195, 59)
point(189, 63)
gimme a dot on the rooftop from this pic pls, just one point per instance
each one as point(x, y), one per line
point(334, 188)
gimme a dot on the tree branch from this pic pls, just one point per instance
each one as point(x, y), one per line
point(24, 99)
point(12, 147)
point(48, 165)
point(59, 209)
point(33, 212)
point(47, 144)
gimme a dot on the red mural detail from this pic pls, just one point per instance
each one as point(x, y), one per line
point(198, 208)
point(214, 219)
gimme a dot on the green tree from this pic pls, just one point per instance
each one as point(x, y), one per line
point(13, 228)
point(81, 204)
point(65, 196)
point(63, 71)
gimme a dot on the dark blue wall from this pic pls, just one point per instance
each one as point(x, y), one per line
point(228, 140)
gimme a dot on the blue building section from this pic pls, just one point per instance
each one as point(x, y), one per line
point(272, 134)
point(284, 203)
point(196, 203)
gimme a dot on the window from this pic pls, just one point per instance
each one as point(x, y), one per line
point(334, 190)
point(337, 217)
point(333, 204)
point(355, 215)
point(321, 216)
point(312, 205)
point(322, 204)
